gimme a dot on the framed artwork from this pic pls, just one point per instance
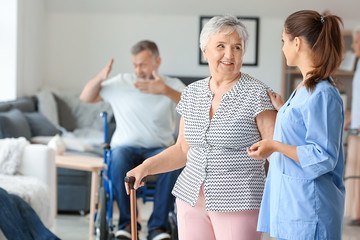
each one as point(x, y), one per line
point(251, 55)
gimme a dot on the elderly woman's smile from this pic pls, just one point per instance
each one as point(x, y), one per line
point(224, 53)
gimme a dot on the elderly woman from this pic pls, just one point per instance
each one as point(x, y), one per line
point(220, 189)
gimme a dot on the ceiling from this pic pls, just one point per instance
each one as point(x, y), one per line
point(349, 9)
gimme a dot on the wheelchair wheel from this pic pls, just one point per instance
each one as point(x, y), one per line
point(173, 226)
point(103, 229)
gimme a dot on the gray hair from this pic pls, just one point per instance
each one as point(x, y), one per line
point(356, 30)
point(145, 45)
point(219, 23)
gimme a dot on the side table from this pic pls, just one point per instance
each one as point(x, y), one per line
point(85, 163)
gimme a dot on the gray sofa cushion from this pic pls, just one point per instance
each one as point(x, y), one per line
point(40, 125)
point(13, 124)
point(75, 114)
point(26, 104)
point(47, 105)
point(5, 106)
point(65, 115)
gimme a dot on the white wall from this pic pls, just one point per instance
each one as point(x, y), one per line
point(8, 49)
point(80, 44)
point(30, 47)
point(64, 43)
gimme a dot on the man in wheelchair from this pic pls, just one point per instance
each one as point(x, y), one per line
point(144, 104)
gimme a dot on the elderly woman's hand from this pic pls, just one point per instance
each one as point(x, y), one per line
point(261, 150)
point(276, 100)
point(140, 172)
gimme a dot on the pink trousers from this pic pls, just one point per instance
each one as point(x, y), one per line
point(195, 223)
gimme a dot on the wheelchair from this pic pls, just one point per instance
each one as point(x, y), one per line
point(103, 219)
point(104, 228)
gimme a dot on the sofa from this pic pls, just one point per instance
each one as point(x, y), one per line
point(27, 170)
point(33, 118)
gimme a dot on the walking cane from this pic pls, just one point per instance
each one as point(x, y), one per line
point(131, 181)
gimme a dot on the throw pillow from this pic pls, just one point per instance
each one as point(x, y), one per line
point(13, 124)
point(66, 117)
point(40, 125)
point(47, 105)
point(74, 114)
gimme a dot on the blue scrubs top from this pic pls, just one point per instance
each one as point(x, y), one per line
point(306, 200)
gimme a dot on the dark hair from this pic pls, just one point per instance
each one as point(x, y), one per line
point(323, 34)
point(145, 45)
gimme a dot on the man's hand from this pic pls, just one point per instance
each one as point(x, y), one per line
point(276, 100)
point(155, 86)
point(91, 91)
point(104, 73)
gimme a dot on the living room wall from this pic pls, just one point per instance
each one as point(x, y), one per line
point(30, 46)
point(77, 43)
